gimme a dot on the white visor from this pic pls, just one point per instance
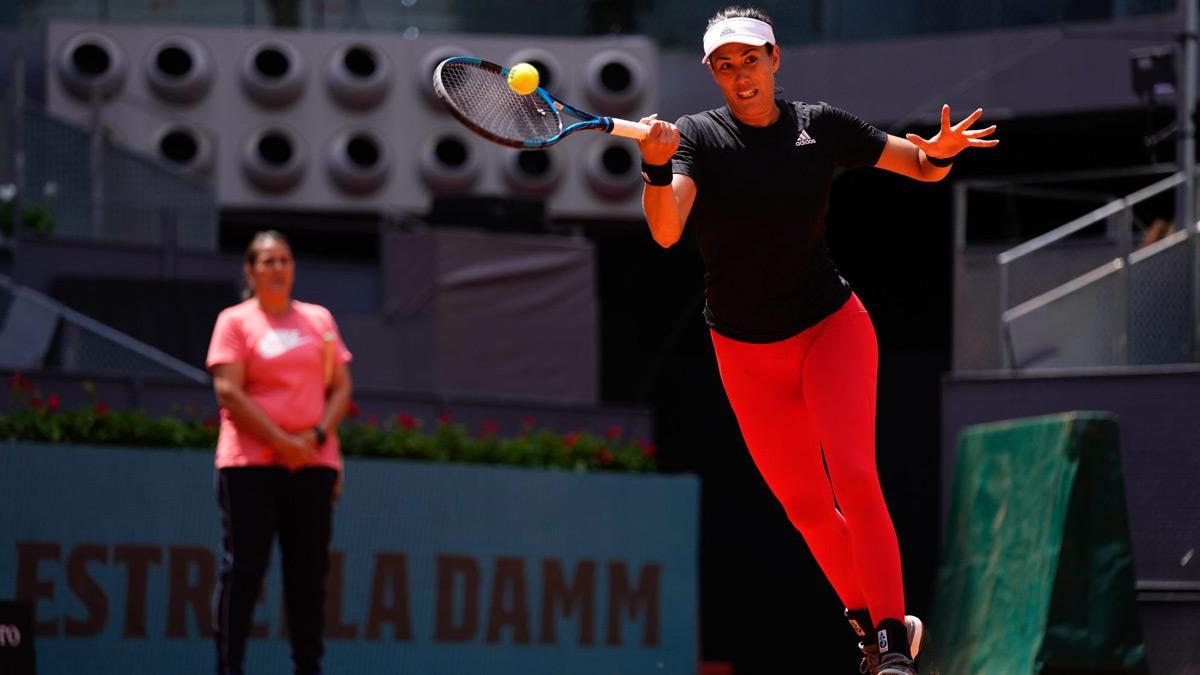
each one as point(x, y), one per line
point(740, 29)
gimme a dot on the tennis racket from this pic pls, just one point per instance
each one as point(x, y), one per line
point(478, 94)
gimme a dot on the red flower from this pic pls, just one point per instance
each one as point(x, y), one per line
point(101, 408)
point(352, 410)
point(35, 402)
point(648, 448)
point(444, 418)
point(405, 421)
point(18, 382)
point(490, 428)
point(372, 420)
point(571, 439)
point(612, 433)
point(605, 457)
point(527, 423)
point(52, 403)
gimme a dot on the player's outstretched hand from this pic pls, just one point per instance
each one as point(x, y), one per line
point(951, 140)
point(660, 144)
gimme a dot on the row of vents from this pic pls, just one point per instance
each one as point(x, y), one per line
point(275, 159)
point(180, 71)
point(273, 73)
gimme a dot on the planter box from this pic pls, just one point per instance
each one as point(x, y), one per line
point(437, 568)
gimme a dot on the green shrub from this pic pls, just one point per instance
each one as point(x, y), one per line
point(33, 416)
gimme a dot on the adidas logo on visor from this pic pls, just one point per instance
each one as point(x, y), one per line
point(736, 29)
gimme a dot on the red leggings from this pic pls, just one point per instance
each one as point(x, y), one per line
point(815, 391)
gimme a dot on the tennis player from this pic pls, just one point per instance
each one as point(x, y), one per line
point(795, 348)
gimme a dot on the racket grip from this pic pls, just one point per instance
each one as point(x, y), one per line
point(635, 130)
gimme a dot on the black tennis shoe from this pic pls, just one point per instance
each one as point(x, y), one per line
point(916, 636)
point(895, 664)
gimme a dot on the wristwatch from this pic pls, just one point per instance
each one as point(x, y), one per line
point(321, 435)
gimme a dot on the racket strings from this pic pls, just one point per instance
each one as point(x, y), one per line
point(484, 97)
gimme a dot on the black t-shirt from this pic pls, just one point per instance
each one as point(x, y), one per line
point(759, 214)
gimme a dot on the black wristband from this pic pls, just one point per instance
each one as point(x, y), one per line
point(321, 435)
point(940, 163)
point(658, 175)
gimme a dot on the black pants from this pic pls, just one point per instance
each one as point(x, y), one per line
point(256, 504)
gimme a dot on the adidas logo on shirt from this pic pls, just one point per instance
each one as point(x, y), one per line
point(805, 139)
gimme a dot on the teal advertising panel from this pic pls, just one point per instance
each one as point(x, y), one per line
point(1037, 574)
point(437, 568)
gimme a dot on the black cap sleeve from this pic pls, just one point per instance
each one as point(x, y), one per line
point(857, 142)
point(686, 159)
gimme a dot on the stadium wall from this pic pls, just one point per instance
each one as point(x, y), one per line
point(436, 569)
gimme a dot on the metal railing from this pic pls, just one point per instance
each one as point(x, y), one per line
point(1044, 284)
point(38, 332)
point(101, 192)
point(1117, 296)
point(992, 214)
point(90, 186)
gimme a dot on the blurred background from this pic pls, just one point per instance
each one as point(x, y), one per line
point(145, 141)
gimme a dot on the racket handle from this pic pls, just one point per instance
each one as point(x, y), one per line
point(635, 130)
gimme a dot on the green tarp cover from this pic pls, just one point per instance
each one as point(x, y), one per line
point(1037, 574)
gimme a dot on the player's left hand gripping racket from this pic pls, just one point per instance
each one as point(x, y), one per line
point(478, 94)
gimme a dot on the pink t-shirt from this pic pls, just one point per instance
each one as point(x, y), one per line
point(284, 358)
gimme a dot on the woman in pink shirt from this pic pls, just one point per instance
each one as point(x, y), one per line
point(279, 371)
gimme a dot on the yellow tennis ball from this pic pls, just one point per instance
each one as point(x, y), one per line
point(523, 78)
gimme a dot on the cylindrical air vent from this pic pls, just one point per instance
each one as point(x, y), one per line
point(179, 69)
point(532, 173)
point(184, 148)
point(92, 62)
point(551, 75)
point(272, 73)
point(612, 167)
point(274, 159)
point(358, 161)
point(614, 81)
point(428, 64)
point(359, 74)
point(449, 162)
